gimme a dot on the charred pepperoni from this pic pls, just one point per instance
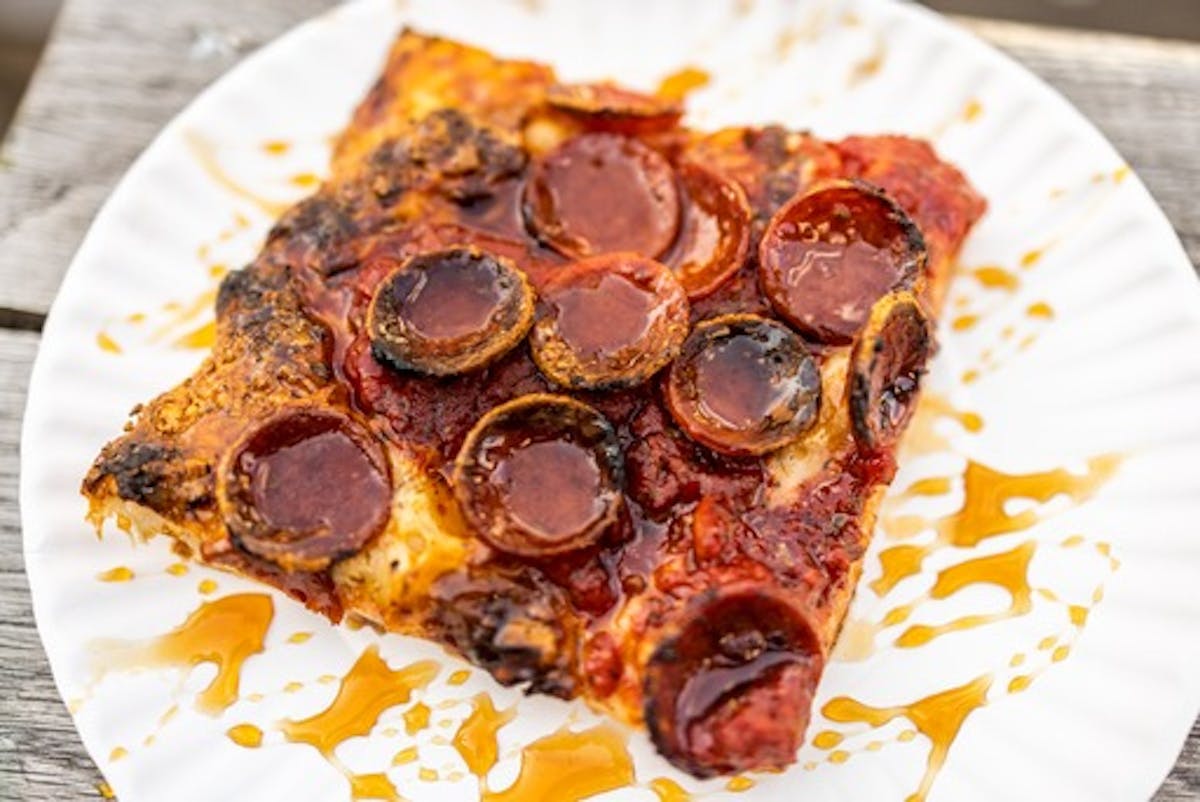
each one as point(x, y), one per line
point(449, 311)
point(609, 321)
point(829, 255)
point(539, 476)
point(602, 192)
point(886, 363)
point(305, 488)
point(714, 234)
point(607, 107)
point(744, 385)
point(731, 687)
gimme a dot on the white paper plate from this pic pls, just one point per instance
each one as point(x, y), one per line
point(1115, 371)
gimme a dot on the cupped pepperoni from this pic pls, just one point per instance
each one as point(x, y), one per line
point(608, 107)
point(714, 234)
point(599, 193)
point(731, 687)
point(449, 311)
point(744, 385)
point(304, 488)
point(828, 256)
point(540, 475)
point(886, 363)
point(609, 321)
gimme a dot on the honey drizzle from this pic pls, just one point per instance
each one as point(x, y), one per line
point(120, 573)
point(225, 632)
point(372, 786)
point(476, 737)
point(205, 154)
point(569, 765)
point(247, 736)
point(367, 690)
point(938, 717)
point(667, 790)
point(416, 718)
point(681, 83)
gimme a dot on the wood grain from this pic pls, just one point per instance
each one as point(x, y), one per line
point(117, 70)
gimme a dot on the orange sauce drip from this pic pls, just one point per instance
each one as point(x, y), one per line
point(1008, 570)
point(964, 322)
point(739, 784)
point(667, 790)
point(177, 569)
point(458, 677)
point(205, 154)
point(373, 786)
point(870, 66)
point(118, 574)
point(306, 180)
point(183, 314)
point(1040, 309)
point(996, 278)
point(570, 765)
point(983, 514)
point(679, 84)
point(1031, 258)
point(117, 753)
point(416, 718)
point(404, 756)
point(367, 690)
point(245, 735)
point(476, 738)
point(827, 739)
point(938, 717)
point(224, 632)
point(198, 339)
point(206, 587)
point(107, 343)
point(299, 637)
point(276, 147)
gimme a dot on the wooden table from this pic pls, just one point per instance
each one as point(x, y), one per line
point(116, 70)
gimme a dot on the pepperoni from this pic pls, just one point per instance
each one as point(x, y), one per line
point(305, 488)
point(607, 107)
point(540, 476)
point(449, 311)
point(609, 321)
point(829, 255)
point(600, 192)
point(744, 385)
point(730, 690)
point(714, 234)
point(887, 362)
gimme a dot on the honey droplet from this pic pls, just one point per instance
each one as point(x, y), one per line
point(1017, 659)
point(293, 687)
point(276, 147)
point(177, 569)
point(368, 689)
point(458, 677)
point(1031, 258)
point(198, 339)
point(245, 735)
point(427, 775)
point(874, 746)
point(906, 735)
point(416, 718)
point(970, 376)
point(118, 574)
point(107, 343)
point(206, 587)
point(1121, 173)
point(827, 739)
point(1079, 614)
point(1007, 570)
point(1060, 654)
point(224, 632)
point(938, 717)
point(679, 84)
point(476, 738)
point(117, 753)
point(929, 486)
point(305, 180)
point(373, 786)
point(1041, 310)
point(570, 765)
point(964, 322)
point(1019, 683)
point(996, 278)
point(839, 756)
point(217, 270)
point(105, 790)
point(739, 784)
point(972, 110)
point(406, 755)
point(205, 154)
point(299, 637)
point(667, 790)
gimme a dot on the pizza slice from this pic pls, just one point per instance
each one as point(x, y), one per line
point(604, 404)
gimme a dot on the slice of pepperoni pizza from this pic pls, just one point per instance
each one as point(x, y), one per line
point(602, 403)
